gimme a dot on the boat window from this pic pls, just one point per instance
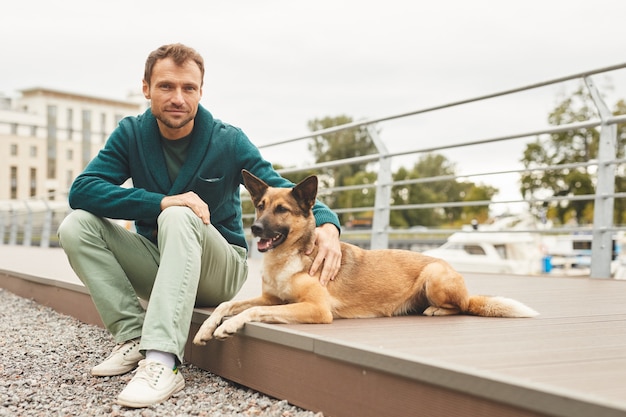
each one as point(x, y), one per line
point(581, 244)
point(474, 250)
point(501, 249)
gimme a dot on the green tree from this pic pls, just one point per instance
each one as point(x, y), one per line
point(348, 143)
point(355, 142)
point(363, 197)
point(477, 193)
point(574, 146)
point(445, 189)
point(620, 170)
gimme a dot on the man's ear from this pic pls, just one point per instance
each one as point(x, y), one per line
point(255, 186)
point(305, 193)
point(145, 89)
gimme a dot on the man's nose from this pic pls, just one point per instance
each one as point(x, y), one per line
point(177, 96)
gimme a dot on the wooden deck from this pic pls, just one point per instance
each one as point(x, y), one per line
point(570, 361)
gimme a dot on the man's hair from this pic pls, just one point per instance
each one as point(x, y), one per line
point(178, 52)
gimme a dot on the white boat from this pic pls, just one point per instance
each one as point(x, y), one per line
point(494, 252)
point(571, 254)
point(499, 248)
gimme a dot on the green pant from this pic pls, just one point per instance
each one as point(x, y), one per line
point(192, 265)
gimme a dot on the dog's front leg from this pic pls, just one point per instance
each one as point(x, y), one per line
point(228, 308)
point(205, 333)
point(303, 312)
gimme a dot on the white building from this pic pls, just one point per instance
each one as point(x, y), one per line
point(47, 137)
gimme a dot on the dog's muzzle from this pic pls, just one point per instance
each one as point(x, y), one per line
point(267, 240)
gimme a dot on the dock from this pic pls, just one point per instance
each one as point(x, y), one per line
point(570, 361)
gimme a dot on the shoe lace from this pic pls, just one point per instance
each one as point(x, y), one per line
point(150, 372)
point(129, 346)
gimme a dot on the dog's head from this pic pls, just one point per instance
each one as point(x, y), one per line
point(282, 214)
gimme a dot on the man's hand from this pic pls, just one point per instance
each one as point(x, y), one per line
point(328, 252)
point(191, 200)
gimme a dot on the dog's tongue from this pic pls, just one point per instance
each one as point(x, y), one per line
point(264, 244)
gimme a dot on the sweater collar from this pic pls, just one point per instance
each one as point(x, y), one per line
point(201, 137)
point(198, 148)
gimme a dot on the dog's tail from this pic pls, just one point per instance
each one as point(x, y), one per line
point(486, 306)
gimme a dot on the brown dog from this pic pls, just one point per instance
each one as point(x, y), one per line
point(370, 283)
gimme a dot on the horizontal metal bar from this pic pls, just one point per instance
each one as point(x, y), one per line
point(585, 197)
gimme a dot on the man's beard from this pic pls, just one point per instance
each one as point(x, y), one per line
point(171, 124)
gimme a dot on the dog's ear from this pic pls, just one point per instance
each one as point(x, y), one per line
point(305, 193)
point(255, 186)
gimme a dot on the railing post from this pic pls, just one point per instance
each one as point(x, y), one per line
point(380, 222)
point(3, 225)
point(13, 230)
point(28, 226)
point(47, 226)
point(602, 243)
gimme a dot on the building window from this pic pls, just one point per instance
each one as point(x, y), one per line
point(69, 154)
point(13, 150)
point(13, 182)
point(51, 142)
point(33, 182)
point(70, 123)
point(33, 152)
point(52, 122)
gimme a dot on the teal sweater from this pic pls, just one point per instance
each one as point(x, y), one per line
point(217, 154)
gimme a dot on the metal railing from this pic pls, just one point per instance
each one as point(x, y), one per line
point(16, 223)
point(31, 222)
point(602, 228)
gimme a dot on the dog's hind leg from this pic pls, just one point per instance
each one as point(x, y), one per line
point(445, 291)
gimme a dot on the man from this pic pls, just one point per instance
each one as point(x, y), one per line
point(190, 248)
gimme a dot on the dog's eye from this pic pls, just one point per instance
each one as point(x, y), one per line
point(261, 206)
point(281, 209)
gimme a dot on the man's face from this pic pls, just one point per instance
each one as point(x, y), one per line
point(174, 92)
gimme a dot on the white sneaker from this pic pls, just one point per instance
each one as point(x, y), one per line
point(152, 384)
point(123, 358)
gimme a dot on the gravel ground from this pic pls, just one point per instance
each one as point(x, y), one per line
point(45, 359)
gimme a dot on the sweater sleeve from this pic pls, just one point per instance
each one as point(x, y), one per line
point(99, 188)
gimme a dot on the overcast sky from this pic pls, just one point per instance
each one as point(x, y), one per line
point(273, 65)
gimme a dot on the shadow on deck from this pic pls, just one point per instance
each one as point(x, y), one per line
point(570, 361)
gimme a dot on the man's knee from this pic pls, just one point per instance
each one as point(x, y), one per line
point(73, 225)
point(177, 214)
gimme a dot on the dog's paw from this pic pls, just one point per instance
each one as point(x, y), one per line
point(228, 329)
point(202, 337)
point(205, 333)
point(200, 340)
